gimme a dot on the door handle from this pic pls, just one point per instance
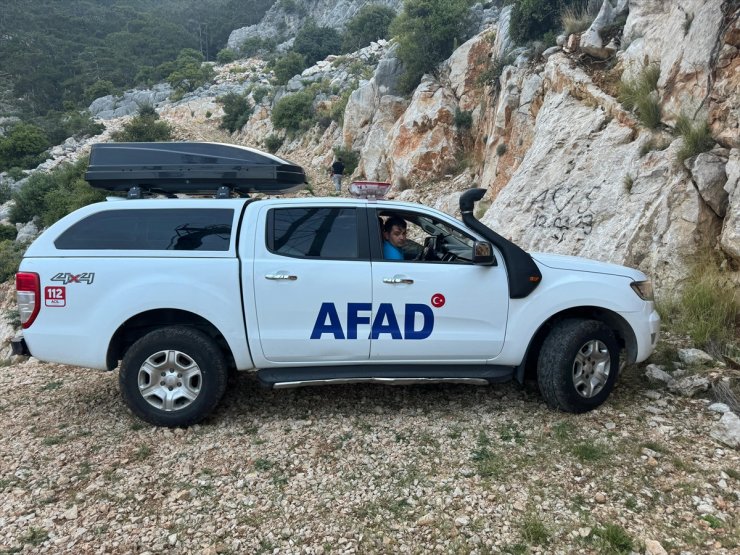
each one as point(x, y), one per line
point(395, 280)
point(281, 276)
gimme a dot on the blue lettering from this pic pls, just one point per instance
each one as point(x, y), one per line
point(427, 327)
point(354, 320)
point(385, 321)
point(385, 311)
point(333, 327)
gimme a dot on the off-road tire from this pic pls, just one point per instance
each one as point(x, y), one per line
point(555, 366)
point(195, 346)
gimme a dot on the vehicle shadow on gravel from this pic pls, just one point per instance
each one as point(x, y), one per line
point(245, 397)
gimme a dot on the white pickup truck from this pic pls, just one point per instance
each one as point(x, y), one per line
point(179, 291)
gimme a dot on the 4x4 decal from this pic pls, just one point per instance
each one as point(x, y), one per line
point(66, 278)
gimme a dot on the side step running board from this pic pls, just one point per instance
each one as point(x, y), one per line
point(280, 378)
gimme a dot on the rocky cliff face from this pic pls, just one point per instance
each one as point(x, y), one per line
point(284, 20)
point(568, 169)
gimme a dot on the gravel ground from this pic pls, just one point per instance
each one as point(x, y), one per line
point(345, 469)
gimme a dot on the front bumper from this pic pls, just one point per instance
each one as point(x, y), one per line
point(19, 347)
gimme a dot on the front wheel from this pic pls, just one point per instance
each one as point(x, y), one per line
point(578, 365)
point(173, 376)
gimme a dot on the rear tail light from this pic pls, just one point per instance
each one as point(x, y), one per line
point(28, 293)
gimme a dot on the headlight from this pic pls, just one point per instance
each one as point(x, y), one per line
point(644, 289)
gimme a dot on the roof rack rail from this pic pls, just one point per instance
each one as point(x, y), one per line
point(190, 168)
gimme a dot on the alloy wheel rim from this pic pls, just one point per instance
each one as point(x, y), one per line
point(591, 368)
point(170, 380)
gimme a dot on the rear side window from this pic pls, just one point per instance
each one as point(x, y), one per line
point(313, 232)
point(183, 229)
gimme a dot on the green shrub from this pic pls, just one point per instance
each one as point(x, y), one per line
point(350, 158)
point(99, 88)
point(463, 119)
point(530, 19)
point(16, 174)
point(371, 23)
point(257, 45)
point(29, 199)
point(22, 146)
point(533, 19)
point(50, 196)
point(427, 31)
point(337, 109)
point(292, 7)
point(289, 65)
point(11, 254)
point(639, 94)
point(707, 308)
point(495, 67)
point(188, 71)
point(316, 43)
point(273, 143)
point(60, 125)
point(614, 29)
point(144, 127)
point(225, 56)
point(4, 193)
point(696, 135)
point(236, 111)
point(294, 111)
point(614, 539)
point(259, 93)
point(8, 232)
point(576, 18)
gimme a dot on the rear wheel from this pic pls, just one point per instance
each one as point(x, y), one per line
point(173, 376)
point(578, 365)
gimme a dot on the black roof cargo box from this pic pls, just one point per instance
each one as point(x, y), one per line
point(190, 167)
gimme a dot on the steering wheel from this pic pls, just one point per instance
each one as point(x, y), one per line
point(428, 252)
point(449, 257)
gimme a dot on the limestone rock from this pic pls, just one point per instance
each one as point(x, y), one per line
point(718, 407)
point(450, 204)
point(465, 66)
point(374, 164)
point(656, 374)
point(5, 211)
point(108, 107)
point(388, 73)
point(566, 197)
point(724, 108)
point(26, 232)
point(366, 100)
point(708, 172)
point(694, 357)
point(282, 22)
point(591, 41)
point(690, 386)
point(730, 238)
point(359, 113)
point(423, 140)
point(681, 37)
point(654, 548)
point(727, 430)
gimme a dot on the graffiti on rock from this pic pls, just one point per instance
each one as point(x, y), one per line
point(563, 211)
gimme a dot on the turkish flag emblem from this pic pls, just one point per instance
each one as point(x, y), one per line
point(438, 300)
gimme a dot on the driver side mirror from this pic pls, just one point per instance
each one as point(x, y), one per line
point(483, 254)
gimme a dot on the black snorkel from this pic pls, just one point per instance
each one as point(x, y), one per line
point(524, 275)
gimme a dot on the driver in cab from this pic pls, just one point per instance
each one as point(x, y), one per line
point(394, 238)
